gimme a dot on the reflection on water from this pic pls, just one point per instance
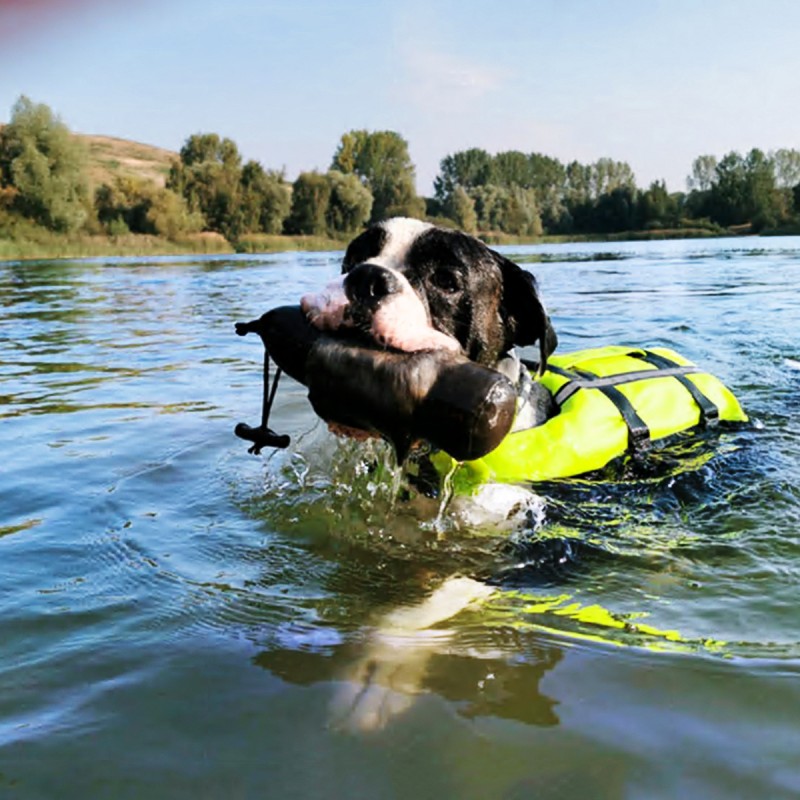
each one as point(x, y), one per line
point(167, 597)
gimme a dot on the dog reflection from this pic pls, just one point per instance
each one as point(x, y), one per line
point(410, 654)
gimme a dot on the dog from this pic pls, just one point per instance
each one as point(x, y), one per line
point(411, 286)
point(414, 286)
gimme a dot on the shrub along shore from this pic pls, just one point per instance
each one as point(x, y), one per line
point(37, 243)
point(44, 245)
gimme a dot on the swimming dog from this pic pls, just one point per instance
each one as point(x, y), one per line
point(410, 286)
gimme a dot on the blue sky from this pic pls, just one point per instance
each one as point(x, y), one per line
point(650, 82)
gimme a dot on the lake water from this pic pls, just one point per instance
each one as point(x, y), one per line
point(177, 616)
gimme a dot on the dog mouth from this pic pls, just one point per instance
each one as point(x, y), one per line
point(438, 397)
point(379, 307)
point(379, 304)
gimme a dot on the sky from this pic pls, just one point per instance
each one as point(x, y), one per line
point(651, 82)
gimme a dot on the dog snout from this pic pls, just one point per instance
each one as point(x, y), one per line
point(368, 285)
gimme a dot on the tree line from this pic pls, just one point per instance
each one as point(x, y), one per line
point(531, 192)
point(44, 177)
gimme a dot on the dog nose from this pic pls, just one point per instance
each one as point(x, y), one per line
point(368, 284)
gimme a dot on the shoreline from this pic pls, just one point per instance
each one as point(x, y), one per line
point(54, 247)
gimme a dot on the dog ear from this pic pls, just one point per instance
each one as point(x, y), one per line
point(523, 311)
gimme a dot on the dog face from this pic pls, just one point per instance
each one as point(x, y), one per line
point(411, 286)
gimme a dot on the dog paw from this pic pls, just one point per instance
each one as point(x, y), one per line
point(500, 505)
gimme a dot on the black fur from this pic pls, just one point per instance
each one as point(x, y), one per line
point(364, 247)
point(486, 302)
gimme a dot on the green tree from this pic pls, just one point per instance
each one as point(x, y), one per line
point(766, 204)
point(265, 199)
point(704, 174)
point(578, 186)
point(468, 169)
point(461, 209)
point(512, 168)
point(168, 215)
point(548, 174)
point(521, 214)
point(616, 211)
point(657, 207)
point(490, 206)
point(112, 206)
point(381, 161)
point(745, 191)
point(475, 169)
point(608, 175)
point(699, 203)
point(553, 210)
point(787, 179)
point(45, 165)
point(727, 196)
point(202, 148)
point(350, 203)
point(787, 168)
point(208, 176)
point(511, 210)
point(311, 194)
point(140, 206)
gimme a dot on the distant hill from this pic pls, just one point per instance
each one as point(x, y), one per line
point(110, 157)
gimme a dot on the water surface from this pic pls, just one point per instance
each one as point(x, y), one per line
point(176, 616)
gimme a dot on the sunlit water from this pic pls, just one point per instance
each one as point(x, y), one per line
point(177, 615)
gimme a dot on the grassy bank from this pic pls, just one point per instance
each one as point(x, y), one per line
point(86, 246)
point(495, 238)
point(280, 243)
point(111, 158)
point(49, 245)
point(22, 240)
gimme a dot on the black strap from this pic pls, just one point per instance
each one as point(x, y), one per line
point(709, 411)
point(269, 394)
point(567, 389)
point(263, 435)
point(638, 432)
point(667, 368)
point(591, 381)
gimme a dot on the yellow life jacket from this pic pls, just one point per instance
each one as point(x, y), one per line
point(611, 400)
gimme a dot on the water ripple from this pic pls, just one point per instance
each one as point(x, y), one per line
point(134, 524)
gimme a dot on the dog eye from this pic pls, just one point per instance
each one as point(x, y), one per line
point(446, 280)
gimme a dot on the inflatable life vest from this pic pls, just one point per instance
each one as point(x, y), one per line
point(611, 400)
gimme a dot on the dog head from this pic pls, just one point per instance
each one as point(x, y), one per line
point(411, 286)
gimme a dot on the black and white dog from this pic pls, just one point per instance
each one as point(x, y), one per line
point(411, 286)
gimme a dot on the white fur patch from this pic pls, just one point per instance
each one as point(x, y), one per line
point(402, 233)
point(402, 320)
point(501, 505)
